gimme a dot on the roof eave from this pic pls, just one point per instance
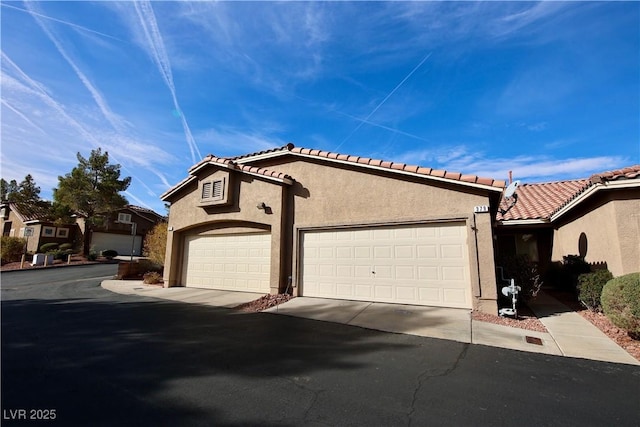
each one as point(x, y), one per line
point(531, 221)
point(606, 185)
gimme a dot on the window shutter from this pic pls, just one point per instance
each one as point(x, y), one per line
point(206, 190)
point(218, 189)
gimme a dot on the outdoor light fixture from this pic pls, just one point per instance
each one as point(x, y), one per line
point(262, 206)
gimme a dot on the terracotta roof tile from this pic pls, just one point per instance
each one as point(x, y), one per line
point(629, 172)
point(540, 201)
point(454, 176)
point(412, 168)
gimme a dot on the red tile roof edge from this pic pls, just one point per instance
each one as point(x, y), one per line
point(629, 172)
point(414, 169)
point(397, 166)
point(230, 164)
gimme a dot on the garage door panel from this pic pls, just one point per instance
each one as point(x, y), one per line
point(228, 262)
point(413, 265)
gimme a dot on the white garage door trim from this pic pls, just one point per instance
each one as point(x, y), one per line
point(236, 262)
point(424, 264)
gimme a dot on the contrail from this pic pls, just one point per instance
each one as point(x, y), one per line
point(112, 118)
point(38, 90)
point(384, 100)
point(71, 24)
point(25, 118)
point(159, 54)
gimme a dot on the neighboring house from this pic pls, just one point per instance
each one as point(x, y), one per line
point(596, 218)
point(21, 219)
point(337, 226)
point(124, 230)
point(116, 233)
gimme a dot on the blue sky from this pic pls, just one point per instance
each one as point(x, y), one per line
point(548, 90)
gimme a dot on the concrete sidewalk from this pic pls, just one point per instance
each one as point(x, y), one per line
point(569, 333)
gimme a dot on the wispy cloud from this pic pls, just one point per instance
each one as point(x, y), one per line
point(229, 141)
point(22, 116)
point(60, 21)
point(384, 100)
point(116, 121)
point(532, 168)
point(156, 49)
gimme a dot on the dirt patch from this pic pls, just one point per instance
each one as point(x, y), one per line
point(526, 320)
point(263, 303)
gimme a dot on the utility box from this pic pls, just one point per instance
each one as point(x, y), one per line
point(39, 259)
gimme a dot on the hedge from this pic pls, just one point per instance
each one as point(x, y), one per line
point(621, 303)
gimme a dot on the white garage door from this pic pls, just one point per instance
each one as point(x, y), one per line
point(230, 262)
point(117, 242)
point(422, 265)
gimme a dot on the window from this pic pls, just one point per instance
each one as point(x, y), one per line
point(62, 233)
point(124, 217)
point(213, 191)
point(46, 231)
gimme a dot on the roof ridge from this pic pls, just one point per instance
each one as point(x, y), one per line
point(399, 166)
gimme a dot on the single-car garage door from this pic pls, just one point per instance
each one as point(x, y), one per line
point(237, 262)
point(418, 264)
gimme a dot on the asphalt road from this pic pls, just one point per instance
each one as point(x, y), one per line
point(84, 356)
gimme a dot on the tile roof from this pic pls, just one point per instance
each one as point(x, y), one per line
point(144, 212)
point(30, 212)
point(365, 161)
point(227, 163)
point(231, 164)
point(542, 201)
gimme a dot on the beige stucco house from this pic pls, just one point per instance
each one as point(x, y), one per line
point(596, 218)
point(323, 224)
point(32, 222)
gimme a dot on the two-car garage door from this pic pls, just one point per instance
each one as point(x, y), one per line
point(237, 262)
point(418, 264)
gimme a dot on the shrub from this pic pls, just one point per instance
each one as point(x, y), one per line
point(152, 278)
point(590, 288)
point(524, 273)
point(92, 256)
point(110, 254)
point(66, 246)
point(48, 247)
point(621, 303)
point(155, 243)
point(12, 249)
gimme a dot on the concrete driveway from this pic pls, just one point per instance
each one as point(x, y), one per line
point(568, 333)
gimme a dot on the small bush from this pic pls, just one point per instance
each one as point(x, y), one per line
point(590, 288)
point(621, 303)
point(66, 246)
point(92, 256)
point(152, 278)
point(48, 247)
point(12, 249)
point(110, 254)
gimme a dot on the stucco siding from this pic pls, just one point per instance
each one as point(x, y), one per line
point(607, 231)
point(187, 217)
point(332, 196)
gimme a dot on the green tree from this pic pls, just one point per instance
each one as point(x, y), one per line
point(8, 190)
point(28, 192)
point(92, 189)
